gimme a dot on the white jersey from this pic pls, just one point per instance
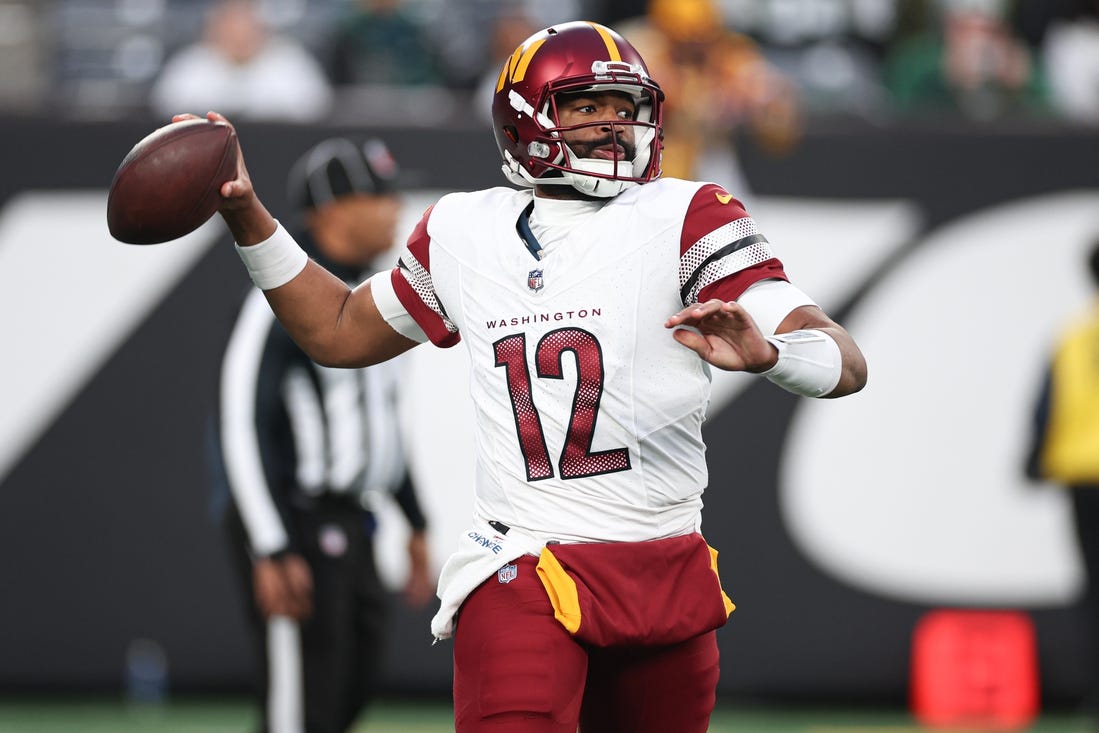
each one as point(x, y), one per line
point(588, 413)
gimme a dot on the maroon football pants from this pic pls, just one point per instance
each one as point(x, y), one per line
point(517, 670)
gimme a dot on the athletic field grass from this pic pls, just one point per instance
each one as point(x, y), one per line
point(42, 715)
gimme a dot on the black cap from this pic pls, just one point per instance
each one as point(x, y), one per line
point(337, 167)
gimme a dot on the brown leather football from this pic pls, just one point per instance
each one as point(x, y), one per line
point(169, 184)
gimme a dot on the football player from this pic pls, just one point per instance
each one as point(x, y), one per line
point(593, 301)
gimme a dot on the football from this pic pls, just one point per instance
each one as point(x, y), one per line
point(169, 184)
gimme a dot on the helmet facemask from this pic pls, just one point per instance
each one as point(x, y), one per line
point(634, 138)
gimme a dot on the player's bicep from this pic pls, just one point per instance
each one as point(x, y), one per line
point(373, 338)
point(335, 325)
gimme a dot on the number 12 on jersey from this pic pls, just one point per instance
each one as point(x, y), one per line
point(577, 459)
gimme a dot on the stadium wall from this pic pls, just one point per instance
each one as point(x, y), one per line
point(952, 254)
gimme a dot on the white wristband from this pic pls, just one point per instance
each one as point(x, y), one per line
point(275, 261)
point(809, 362)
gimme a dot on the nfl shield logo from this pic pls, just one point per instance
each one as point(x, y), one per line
point(507, 573)
point(534, 280)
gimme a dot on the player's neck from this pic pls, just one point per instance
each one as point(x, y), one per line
point(552, 217)
point(562, 192)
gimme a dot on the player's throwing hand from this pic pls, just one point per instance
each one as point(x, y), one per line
point(239, 186)
point(247, 218)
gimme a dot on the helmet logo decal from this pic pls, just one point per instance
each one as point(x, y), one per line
point(532, 131)
point(515, 68)
point(612, 47)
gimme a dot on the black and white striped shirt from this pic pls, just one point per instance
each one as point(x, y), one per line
point(292, 431)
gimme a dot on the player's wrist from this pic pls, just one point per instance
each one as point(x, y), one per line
point(809, 362)
point(767, 363)
point(250, 223)
point(275, 261)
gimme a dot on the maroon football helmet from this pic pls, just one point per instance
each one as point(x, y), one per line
point(574, 57)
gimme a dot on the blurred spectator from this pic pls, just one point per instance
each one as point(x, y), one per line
point(241, 68)
point(22, 55)
point(969, 62)
point(1064, 450)
point(832, 49)
point(615, 12)
point(463, 32)
point(380, 43)
point(716, 81)
point(1070, 54)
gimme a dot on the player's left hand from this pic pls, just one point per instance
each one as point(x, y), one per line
point(726, 336)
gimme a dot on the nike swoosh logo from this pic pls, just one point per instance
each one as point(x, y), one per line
point(724, 197)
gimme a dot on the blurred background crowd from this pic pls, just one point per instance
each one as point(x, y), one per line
point(765, 63)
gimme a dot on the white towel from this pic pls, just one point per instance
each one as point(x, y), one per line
point(481, 552)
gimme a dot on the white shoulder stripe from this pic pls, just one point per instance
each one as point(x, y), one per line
point(701, 250)
point(726, 250)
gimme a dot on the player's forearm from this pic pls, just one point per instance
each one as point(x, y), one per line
point(249, 224)
point(851, 362)
point(319, 311)
point(853, 370)
point(305, 297)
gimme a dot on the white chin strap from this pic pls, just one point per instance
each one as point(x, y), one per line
point(590, 185)
point(578, 178)
point(607, 187)
point(594, 185)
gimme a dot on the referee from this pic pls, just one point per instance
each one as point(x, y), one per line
point(308, 452)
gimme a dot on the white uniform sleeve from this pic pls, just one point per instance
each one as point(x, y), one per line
point(768, 302)
point(385, 297)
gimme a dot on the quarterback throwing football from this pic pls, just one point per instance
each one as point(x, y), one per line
point(593, 301)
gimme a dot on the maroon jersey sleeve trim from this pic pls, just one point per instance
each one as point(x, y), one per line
point(415, 290)
point(433, 324)
point(711, 208)
point(732, 287)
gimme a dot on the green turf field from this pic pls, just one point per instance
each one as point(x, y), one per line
point(234, 716)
